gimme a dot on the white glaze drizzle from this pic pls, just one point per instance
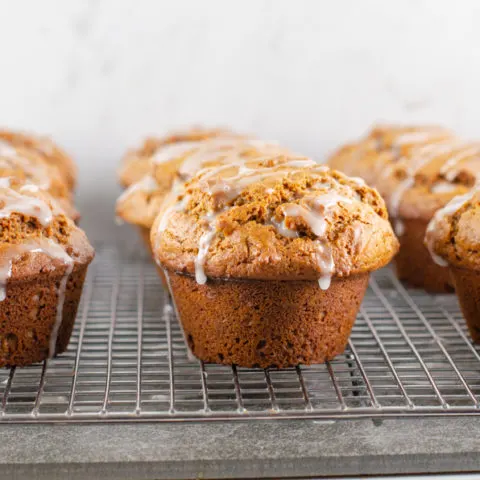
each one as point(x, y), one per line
point(10, 158)
point(450, 209)
point(6, 150)
point(316, 219)
point(231, 187)
point(147, 184)
point(443, 187)
point(170, 151)
point(15, 202)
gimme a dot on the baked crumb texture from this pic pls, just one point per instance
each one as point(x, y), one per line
point(453, 238)
point(417, 170)
point(267, 254)
point(43, 254)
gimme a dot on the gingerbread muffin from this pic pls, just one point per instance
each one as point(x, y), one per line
point(47, 149)
point(453, 238)
point(44, 259)
point(417, 171)
point(136, 162)
point(268, 259)
point(24, 167)
point(174, 164)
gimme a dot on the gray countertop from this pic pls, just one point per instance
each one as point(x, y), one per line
point(253, 450)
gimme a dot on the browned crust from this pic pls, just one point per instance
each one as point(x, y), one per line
point(50, 152)
point(136, 162)
point(263, 324)
point(247, 246)
point(455, 237)
point(385, 166)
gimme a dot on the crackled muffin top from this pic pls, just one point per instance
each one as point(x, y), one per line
point(36, 236)
point(26, 168)
point(280, 217)
point(417, 170)
point(136, 163)
point(175, 164)
point(453, 235)
point(44, 147)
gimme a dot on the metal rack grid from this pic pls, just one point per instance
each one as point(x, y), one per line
point(409, 354)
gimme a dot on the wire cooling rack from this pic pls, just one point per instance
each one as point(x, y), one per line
point(409, 354)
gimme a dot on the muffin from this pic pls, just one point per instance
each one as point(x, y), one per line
point(417, 171)
point(268, 260)
point(174, 164)
point(44, 261)
point(47, 149)
point(136, 163)
point(453, 238)
point(24, 167)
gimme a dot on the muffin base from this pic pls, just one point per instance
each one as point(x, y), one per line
point(145, 236)
point(414, 264)
point(467, 287)
point(254, 323)
point(28, 315)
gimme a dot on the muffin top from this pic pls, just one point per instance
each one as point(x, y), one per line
point(416, 169)
point(279, 217)
point(453, 235)
point(36, 236)
point(136, 163)
point(47, 149)
point(24, 167)
point(176, 163)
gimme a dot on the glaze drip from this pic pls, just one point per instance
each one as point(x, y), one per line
point(15, 202)
point(450, 209)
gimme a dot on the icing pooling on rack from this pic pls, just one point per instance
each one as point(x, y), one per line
point(15, 202)
point(450, 209)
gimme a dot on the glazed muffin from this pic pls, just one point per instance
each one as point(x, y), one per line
point(47, 149)
point(268, 259)
point(453, 238)
point(136, 163)
point(44, 262)
point(417, 171)
point(23, 167)
point(175, 164)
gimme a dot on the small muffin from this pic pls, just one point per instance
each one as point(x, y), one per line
point(174, 164)
point(453, 238)
point(268, 259)
point(136, 163)
point(44, 259)
point(417, 171)
point(24, 167)
point(47, 149)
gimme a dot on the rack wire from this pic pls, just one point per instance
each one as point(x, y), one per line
point(409, 354)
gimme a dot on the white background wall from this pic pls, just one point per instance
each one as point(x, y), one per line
point(98, 75)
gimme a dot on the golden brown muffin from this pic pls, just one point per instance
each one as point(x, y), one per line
point(44, 259)
point(453, 238)
point(24, 167)
point(177, 163)
point(136, 163)
point(268, 259)
point(417, 171)
point(47, 149)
